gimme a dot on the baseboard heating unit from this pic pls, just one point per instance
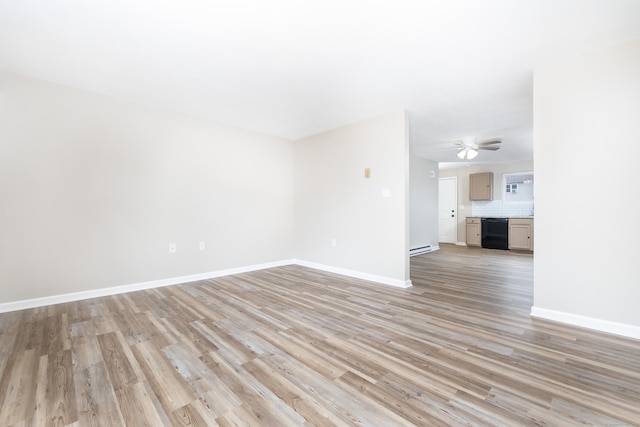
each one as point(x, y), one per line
point(421, 250)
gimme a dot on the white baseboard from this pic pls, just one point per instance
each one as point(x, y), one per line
point(95, 293)
point(623, 329)
point(356, 274)
point(461, 243)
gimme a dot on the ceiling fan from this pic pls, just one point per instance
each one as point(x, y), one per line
point(468, 147)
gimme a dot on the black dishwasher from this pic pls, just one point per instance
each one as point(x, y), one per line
point(495, 233)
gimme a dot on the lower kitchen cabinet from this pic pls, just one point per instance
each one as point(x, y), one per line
point(521, 234)
point(474, 235)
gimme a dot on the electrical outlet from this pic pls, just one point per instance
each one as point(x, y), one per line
point(202, 246)
point(172, 248)
point(334, 242)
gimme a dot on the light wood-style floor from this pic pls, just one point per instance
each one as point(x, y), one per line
point(292, 346)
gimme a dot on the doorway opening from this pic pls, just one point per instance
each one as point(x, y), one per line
point(448, 210)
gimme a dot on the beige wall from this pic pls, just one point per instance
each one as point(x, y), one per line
point(423, 202)
point(93, 189)
point(587, 131)
point(333, 199)
point(498, 169)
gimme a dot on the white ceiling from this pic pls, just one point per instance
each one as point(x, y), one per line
point(293, 68)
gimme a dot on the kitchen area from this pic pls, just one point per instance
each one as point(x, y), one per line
point(506, 223)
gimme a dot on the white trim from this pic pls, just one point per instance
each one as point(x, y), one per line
point(357, 274)
point(95, 293)
point(608, 326)
point(461, 243)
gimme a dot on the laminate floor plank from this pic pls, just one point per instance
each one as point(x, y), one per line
point(140, 407)
point(310, 409)
point(309, 353)
point(9, 326)
point(97, 403)
point(61, 394)
point(119, 367)
point(294, 346)
point(189, 416)
point(18, 388)
point(185, 333)
point(255, 397)
point(39, 417)
point(396, 404)
point(85, 351)
point(164, 379)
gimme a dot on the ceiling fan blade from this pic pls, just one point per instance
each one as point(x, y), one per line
point(443, 146)
point(489, 142)
point(488, 148)
point(440, 148)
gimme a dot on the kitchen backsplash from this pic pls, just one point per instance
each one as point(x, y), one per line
point(496, 208)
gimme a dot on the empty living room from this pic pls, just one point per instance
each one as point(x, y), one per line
point(266, 213)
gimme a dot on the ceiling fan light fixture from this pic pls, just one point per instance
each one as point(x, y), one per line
point(467, 153)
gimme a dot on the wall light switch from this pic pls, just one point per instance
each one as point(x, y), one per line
point(172, 248)
point(202, 246)
point(385, 192)
point(334, 242)
point(367, 173)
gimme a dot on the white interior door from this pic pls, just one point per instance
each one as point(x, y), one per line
point(447, 208)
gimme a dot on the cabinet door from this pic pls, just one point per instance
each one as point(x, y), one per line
point(520, 237)
point(473, 235)
point(481, 186)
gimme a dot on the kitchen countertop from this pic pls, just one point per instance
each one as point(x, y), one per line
point(498, 216)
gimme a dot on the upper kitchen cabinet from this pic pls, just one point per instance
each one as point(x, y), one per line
point(481, 186)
